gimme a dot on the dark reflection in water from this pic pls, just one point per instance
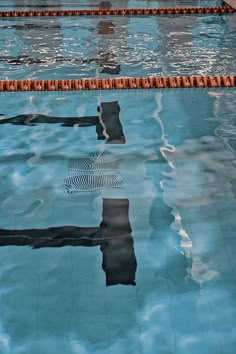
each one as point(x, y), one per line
point(108, 125)
point(105, 5)
point(164, 245)
point(105, 61)
point(111, 34)
point(109, 120)
point(98, 170)
point(171, 260)
point(37, 36)
point(32, 33)
point(113, 236)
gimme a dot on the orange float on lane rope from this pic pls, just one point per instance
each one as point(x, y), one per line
point(123, 12)
point(118, 83)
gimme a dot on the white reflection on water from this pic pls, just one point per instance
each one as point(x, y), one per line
point(166, 151)
point(4, 341)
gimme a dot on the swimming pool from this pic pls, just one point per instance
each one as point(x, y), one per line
point(145, 181)
point(75, 48)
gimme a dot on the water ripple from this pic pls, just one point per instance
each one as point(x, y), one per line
point(201, 45)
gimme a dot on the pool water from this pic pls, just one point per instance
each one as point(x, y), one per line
point(117, 223)
point(75, 48)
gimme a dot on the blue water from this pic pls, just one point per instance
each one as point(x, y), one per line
point(84, 47)
point(149, 267)
point(178, 169)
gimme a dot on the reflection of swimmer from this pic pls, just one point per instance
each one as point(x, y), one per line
point(113, 236)
point(108, 125)
point(31, 32)
point(105, 61)
point(111, 37)
point(105, 56)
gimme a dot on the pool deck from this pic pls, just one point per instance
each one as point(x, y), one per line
point(231, 3)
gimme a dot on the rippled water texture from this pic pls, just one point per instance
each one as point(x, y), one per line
point(117, 213)
point(122, 46)
point(177, 172)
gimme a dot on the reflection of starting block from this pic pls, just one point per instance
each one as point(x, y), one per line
point(231, 3)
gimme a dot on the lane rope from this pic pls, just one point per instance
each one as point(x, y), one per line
point(118, 12)
point(118, 83)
